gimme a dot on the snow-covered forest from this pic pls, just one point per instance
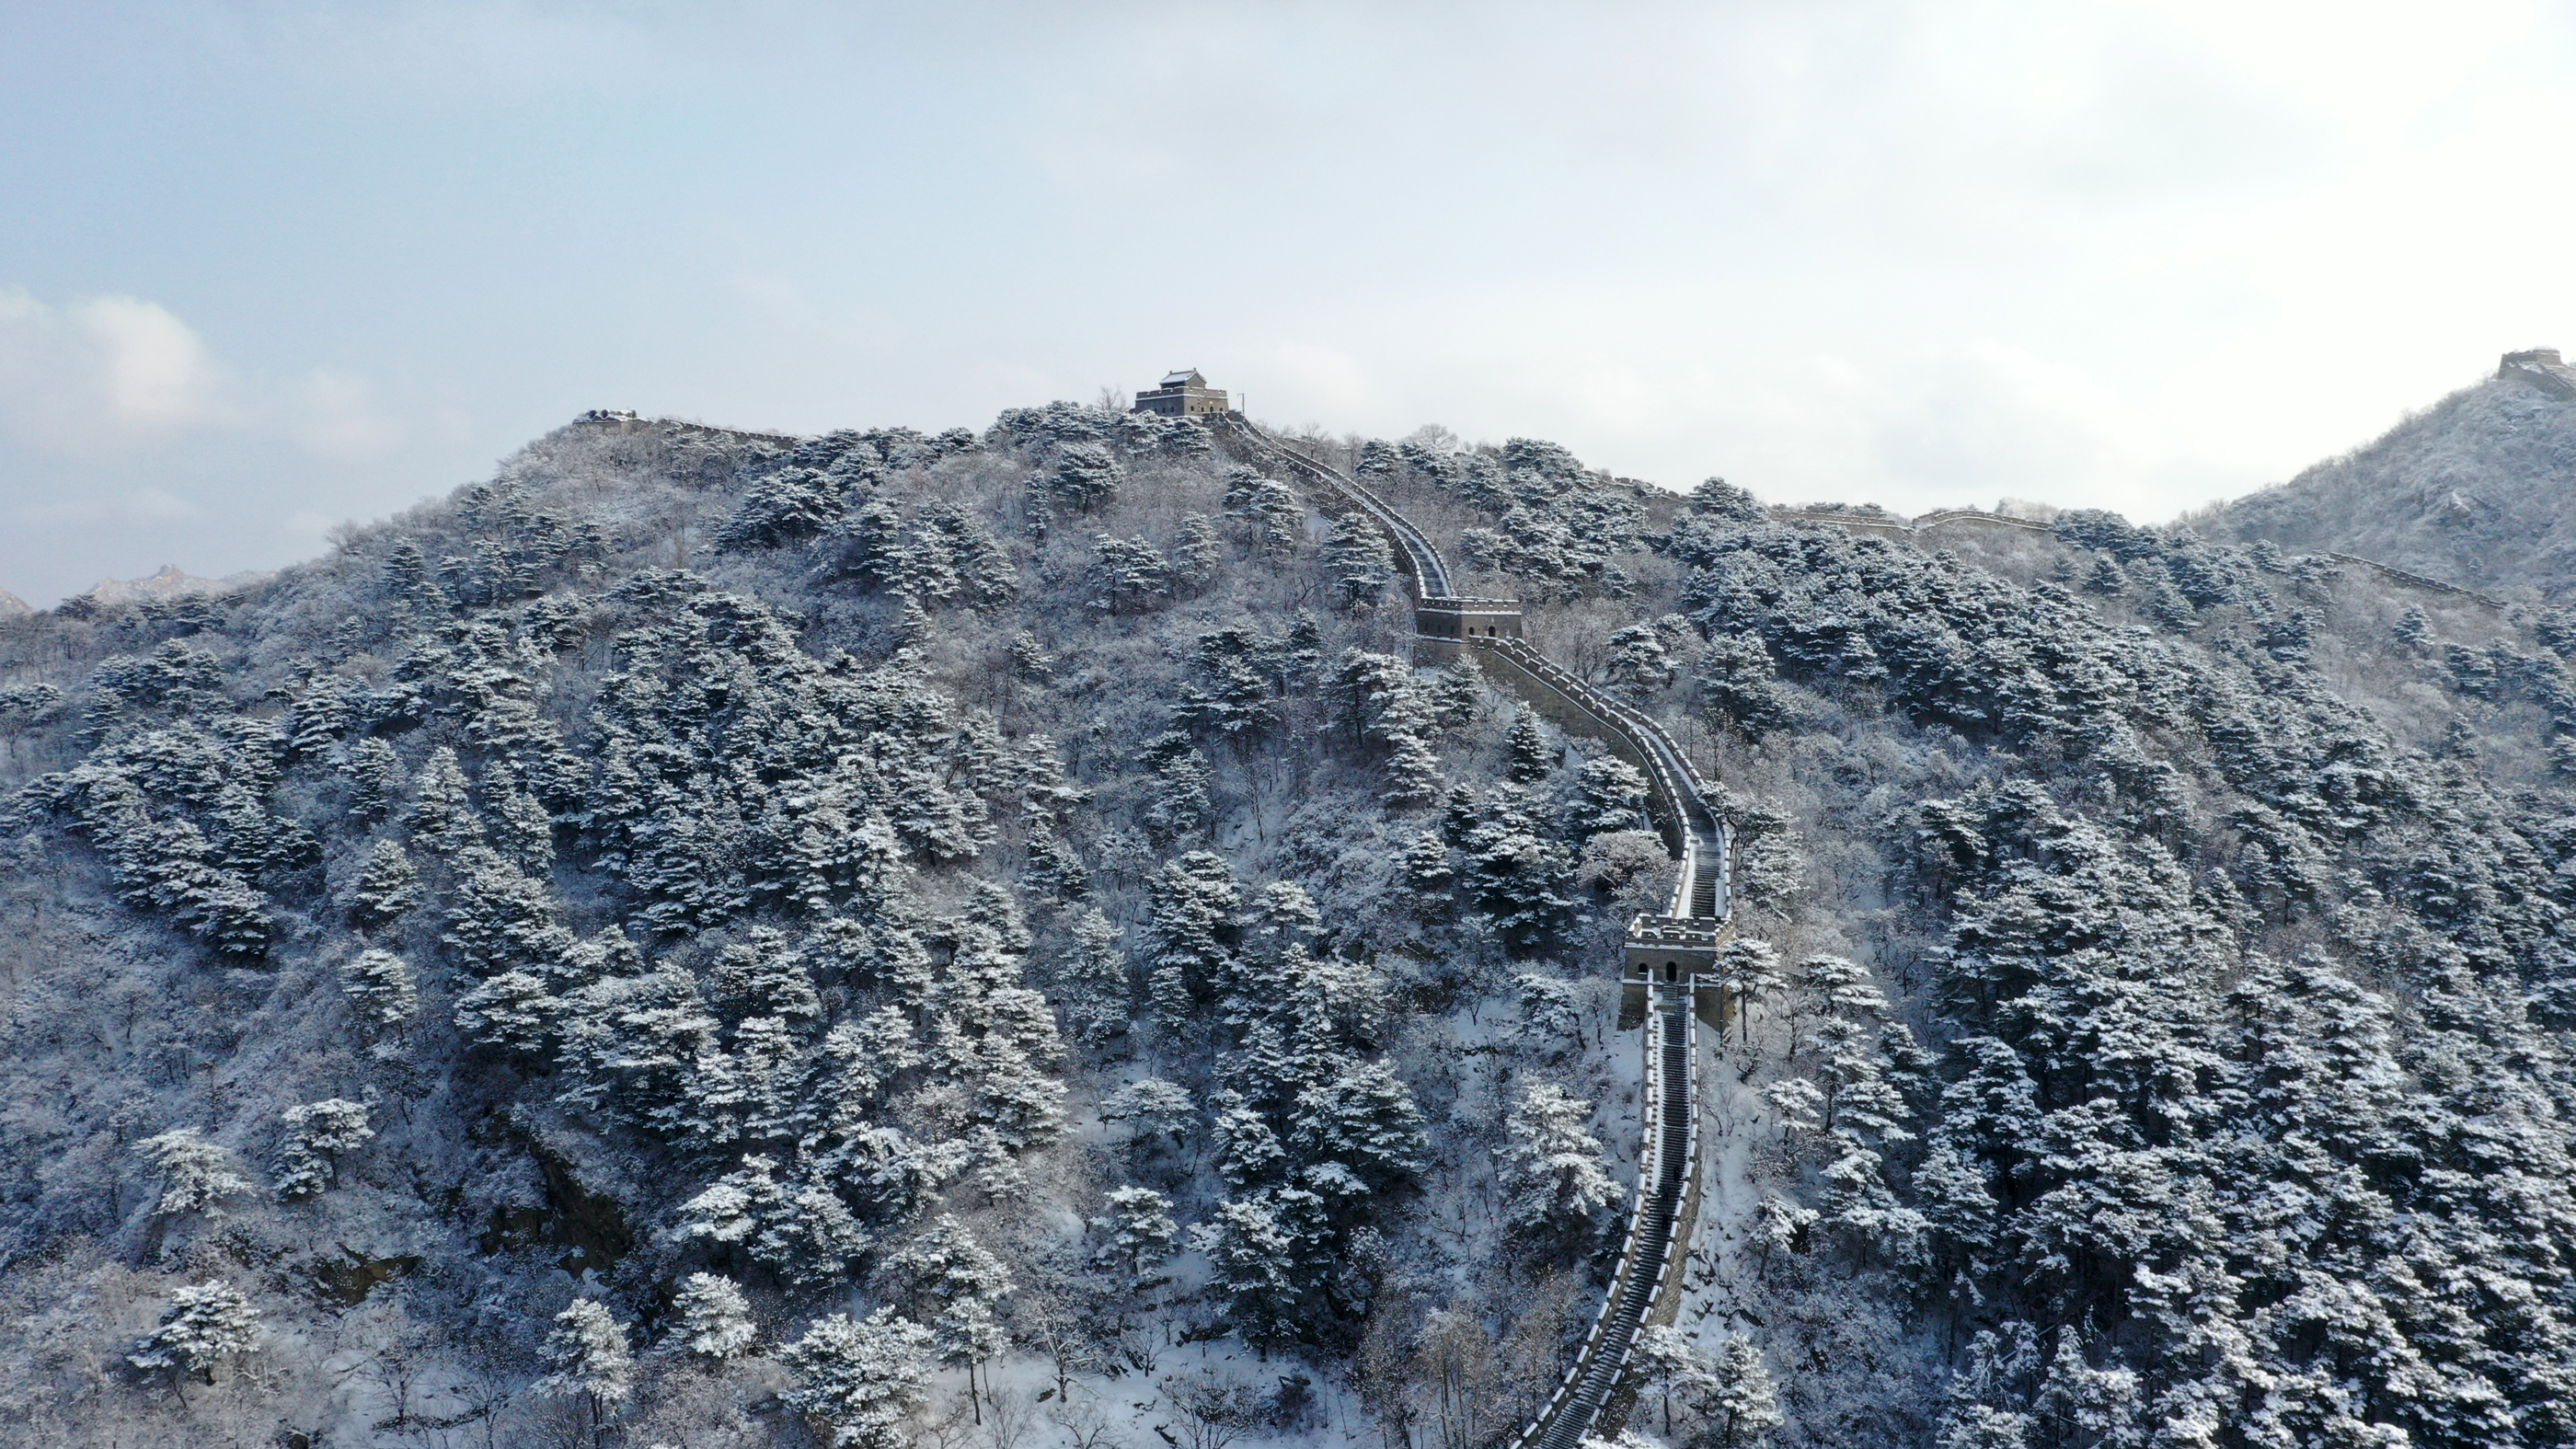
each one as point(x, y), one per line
point(992, 941)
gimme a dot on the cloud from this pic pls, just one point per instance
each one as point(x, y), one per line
point(101, 373)
point(112, 376)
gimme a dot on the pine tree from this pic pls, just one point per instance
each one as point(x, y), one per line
point(1639, 662)
point(1094, 979)
point(1614, 796)
point(1128, 575)
point(525, 833)
point(872, 548)
point(1549, 1019)
point(958, 1283)
point(1738, 685)
point(1030, 658)
point(1086, 476)
point(1251, 1261)
point(387, 888)
point(864, 1377)
point(1273, 518)
point(202, 1325)
point(1361, 563)
point(586, 1359)
point(1533, 758)
point(714, 1318)
point(1751, 970)
point(1554, 1174)
point(1384, 702)
point(1137, 1237)
point(317, 1135)
point(1153, 1107)
point(1428, 876)
point(497, 917)
point(1459, 697)
point(380, 990)
point(1671, 1366)
point(1055, 872)
point(763, 977)
point(1282, 918)
point(511, 1012)
point(1366, 1120)
point(1196, 554)
point(986, 578)
point(1187, 936)
point(442, 813)
point(413, 595)
point(1743, 1401)
point(1247, 1151)
point(1515, 872)
point(1181, 808)
point(196, 1174)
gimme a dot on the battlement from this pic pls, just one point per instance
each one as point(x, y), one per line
point(1183, 394)
point(1675, 951)
point(1672, 946)
point(1464, 618)
point(2541, 368)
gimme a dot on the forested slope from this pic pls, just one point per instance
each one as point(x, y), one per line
point(698, 941)
point(2479, 489)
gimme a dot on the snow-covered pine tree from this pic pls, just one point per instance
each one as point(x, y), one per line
point(202, 1325)
point(864, 1377)
point(387, 888)
point(1189, 935)
point(1613, 796)
point(1362, 565)
point(1273, 518)
point(1093, 981)
point(316, 1136)
point(442, 811)
point(196, 1174)
point(511, 1012)
point(1459, 696)
point(1136, 1237)
point(587, 1360)
point(1197, 555)
point(1086, 476)
point(1556, 1179)
point(1384, 703)
point(380, 990)
point(1533, 755)
point(713, 1318)
point(1129, 575)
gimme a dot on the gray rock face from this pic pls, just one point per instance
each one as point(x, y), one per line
point(2480, 489)
point(170, 583)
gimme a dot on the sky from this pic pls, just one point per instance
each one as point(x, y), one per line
point(266, 267)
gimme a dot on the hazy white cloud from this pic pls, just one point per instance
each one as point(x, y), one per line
point(120, 375)
point(101, 373)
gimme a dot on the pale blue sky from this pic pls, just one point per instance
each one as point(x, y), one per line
point(268, 266)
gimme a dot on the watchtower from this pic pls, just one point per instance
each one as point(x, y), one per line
point(1182, 394)
point(2540, 367)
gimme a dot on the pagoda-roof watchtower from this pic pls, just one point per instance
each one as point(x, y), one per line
point(1182, 394)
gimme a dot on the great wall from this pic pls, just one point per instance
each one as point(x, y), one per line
point(1668, 969)
point(1670, 982)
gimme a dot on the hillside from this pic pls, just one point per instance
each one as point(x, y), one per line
point(991, 940)
point(2479, 489)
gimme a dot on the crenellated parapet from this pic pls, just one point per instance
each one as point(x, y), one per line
point(1676, 953)
point(1444, 626)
